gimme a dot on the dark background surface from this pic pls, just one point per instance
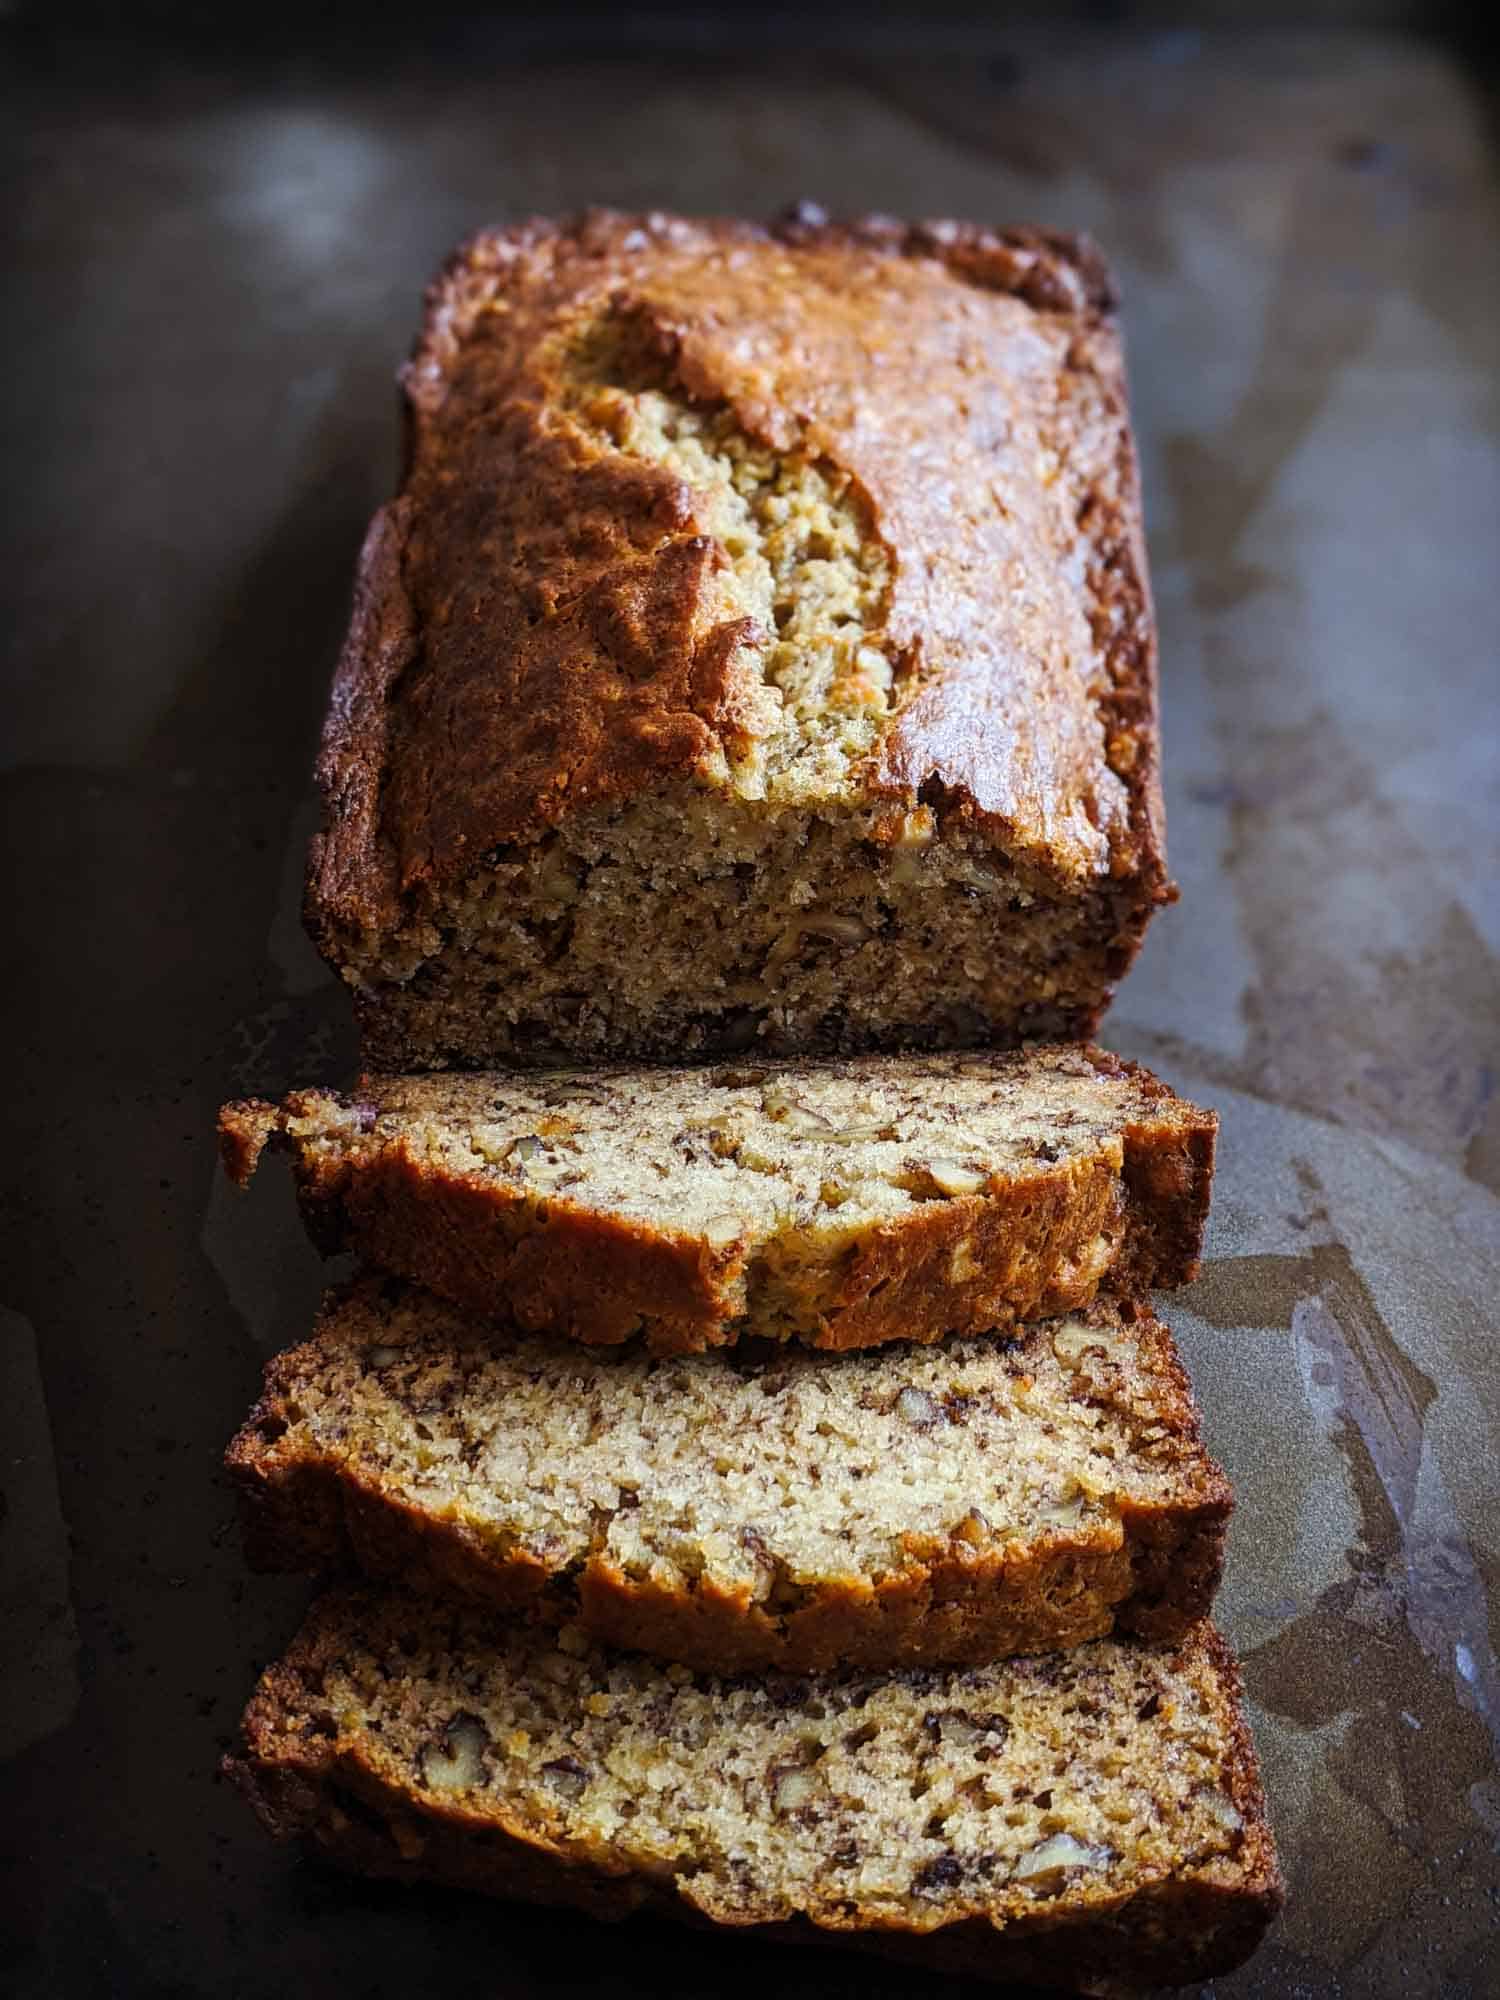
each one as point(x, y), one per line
point(215, 260)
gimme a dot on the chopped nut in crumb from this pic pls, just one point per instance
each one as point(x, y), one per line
point(456, 1761)
point(793, 1787)
point(918, 1409)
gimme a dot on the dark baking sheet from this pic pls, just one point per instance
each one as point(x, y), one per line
point(215, 268)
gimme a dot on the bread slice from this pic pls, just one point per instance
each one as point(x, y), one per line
point(843, 1204)
point(1091, 1820)
point(937, 1504)
point(759, 650)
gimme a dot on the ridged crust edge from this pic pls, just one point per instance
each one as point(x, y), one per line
point(587, 1274)
point(948, 1604)
point(1180, 1928)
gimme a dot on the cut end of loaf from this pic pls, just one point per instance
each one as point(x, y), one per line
point(772, 930)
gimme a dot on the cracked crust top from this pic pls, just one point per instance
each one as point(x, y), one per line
point(542, 620)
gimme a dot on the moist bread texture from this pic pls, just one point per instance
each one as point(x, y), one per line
point(1089, 1820)
point(842, 1204)
point(759, 652)
point(789, 1510)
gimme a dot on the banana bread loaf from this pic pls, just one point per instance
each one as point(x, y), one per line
point(759, 651)
point(1089, 1820)
point(844, 1204)
point(933, 1504)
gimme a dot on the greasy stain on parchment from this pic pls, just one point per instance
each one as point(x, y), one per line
point(1393, 1662)
point(1342, 1019)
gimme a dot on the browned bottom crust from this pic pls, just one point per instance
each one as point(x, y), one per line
point(1176, 1934)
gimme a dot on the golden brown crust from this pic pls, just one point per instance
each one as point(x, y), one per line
point(246, 1127)
point(317, 1783)
point(1168, 1186)
point(534, 629)
point(1027, 1248)
point(314, 1504)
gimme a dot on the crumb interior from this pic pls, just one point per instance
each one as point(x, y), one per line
point(913, 1799)
point(773, 1475)
point(804, 563)
point(782, 1172)
point(771, 927)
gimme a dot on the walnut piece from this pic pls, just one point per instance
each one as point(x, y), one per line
point(455, 1763)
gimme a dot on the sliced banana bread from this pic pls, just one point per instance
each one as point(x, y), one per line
point(777, 1509)
point(843, 1203)
point(1091, 1820)
point(759, 650)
